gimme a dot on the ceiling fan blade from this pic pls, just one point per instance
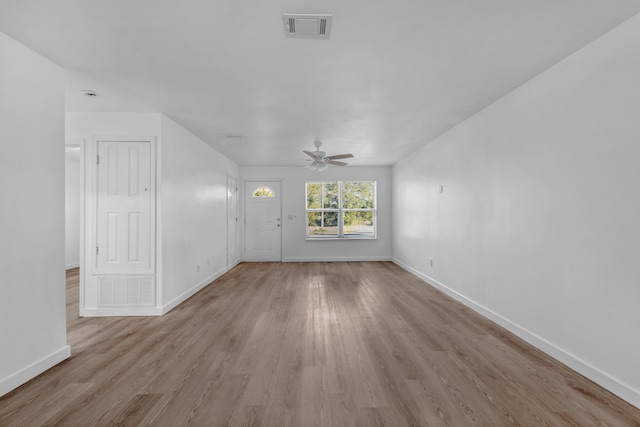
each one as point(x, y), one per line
point(340, 156)
point(333, 162)
point(310, 154)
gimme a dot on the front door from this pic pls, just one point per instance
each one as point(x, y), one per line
point(263, 225)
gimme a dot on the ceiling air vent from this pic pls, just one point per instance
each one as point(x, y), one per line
point(301, 25)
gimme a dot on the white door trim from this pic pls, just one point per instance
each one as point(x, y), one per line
point(232, 263)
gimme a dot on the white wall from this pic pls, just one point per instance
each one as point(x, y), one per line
point(32, 282)
point(72, 207)
point(193, 213)
point(295, 247)
point(82, 126)
point(538, 226)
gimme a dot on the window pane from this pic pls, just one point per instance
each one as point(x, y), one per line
point(359, 195)
point(314, 219)
point(263, 192)
point(331, 220)
point(314, 195)
point(359, 223)
point(322, 224)
point(331, 195)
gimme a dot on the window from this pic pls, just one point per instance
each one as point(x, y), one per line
point(263, 192)
point(341, 209)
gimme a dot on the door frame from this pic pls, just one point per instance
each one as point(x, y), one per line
point(153, 206)
point(88, 222)
point(236, 261)
point(244, 214)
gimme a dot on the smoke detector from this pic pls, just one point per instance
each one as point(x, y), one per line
point(308, 26)
point(90, 94)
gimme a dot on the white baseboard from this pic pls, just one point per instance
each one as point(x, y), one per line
point(121, 311)
point(25, 374)
point(188, 294)
point(73, 265)
point(334, 259)
point(612, 384)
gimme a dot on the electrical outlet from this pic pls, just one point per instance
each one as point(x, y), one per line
point(197, 268)
point(431, 262)
point(208, 262)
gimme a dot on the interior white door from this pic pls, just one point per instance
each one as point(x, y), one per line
point(232, 222)
point(263, 228)
point(125, 205)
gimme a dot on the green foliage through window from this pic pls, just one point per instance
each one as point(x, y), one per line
point(359, 195)
point(263, 192)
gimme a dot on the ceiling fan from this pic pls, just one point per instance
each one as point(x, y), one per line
point(320, 161)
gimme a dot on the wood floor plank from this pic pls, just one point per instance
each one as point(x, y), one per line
point(308, 344)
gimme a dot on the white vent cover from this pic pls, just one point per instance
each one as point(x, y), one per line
point(301, 25)
point(122, 291)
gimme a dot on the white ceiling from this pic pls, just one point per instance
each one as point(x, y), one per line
point(393, 75)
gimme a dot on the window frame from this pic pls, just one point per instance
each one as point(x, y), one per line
point(340, 211)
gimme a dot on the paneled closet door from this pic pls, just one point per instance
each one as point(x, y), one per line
point(125, 207)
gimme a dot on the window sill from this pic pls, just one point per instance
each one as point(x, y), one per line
point(333, 239)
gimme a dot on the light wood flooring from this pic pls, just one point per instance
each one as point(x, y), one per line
point(308, 344)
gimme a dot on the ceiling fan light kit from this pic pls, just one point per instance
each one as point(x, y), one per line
point(320, 161)
point(317, 165)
